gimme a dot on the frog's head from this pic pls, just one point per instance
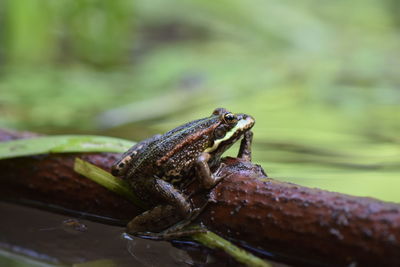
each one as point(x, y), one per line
point(230, 129)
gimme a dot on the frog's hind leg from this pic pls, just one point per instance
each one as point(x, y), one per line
point(161, 216)
point(153, 220)
point(178, 229)
point(168, 193)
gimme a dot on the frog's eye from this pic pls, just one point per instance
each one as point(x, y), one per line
point(219, 111)
point(230, 118)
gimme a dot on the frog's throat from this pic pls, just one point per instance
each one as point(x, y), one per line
point(241, 125)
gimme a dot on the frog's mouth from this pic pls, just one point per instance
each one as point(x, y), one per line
point(244, 124)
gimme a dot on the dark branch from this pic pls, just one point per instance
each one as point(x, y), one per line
point(305, 225)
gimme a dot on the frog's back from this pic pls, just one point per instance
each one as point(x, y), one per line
point(172, 154)
point(128, 160)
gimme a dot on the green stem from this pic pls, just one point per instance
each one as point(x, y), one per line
point(106, 179)
point(212, 240)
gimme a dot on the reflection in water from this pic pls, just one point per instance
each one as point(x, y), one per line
point(57, 239)
point(71, 225)
point(147, 253)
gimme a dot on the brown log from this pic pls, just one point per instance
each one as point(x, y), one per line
point(50, 180)
point(303, 225)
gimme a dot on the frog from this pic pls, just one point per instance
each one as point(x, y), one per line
point(159, 168)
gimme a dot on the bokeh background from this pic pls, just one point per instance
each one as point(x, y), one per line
point(322, 78)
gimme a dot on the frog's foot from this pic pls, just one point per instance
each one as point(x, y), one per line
point(153, 220)
point(217, 176)
point(177, 230)
point(167, 235)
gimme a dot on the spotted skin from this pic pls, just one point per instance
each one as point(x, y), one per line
point(158, 168)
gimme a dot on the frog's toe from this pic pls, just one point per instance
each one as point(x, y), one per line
point(172, 234)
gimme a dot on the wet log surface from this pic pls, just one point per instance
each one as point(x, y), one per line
point(303, 225)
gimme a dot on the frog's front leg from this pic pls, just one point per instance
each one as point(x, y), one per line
point(245, 146)
point(176, 208)
point(204, 174)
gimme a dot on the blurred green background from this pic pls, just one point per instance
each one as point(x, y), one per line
point(322, 78)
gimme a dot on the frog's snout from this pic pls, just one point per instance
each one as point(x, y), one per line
point(248, 120)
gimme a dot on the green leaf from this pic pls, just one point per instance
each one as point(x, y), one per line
point(62, 144)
